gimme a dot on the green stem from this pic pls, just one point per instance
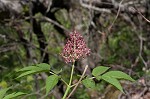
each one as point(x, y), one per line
point(69, 85)
point(64, 81)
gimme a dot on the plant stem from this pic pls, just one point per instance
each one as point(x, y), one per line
point(69, 85)
point(64, 81)
point(78, 82)
point(66, 92)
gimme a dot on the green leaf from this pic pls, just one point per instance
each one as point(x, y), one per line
point(98, 77)
point(13, 95)
point(38, 67)
point(26, 73)
point(44, 66)
point(3, 92)
point(88, 83)
point(119, 75)
point(29, 68)
point(34, 69)
point(51, 81)
point(112, 81)
point(99, 70)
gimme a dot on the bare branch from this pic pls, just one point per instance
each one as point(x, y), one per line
point(141, 15)
point(56, 23)
point(109, 28)
point(94, 8)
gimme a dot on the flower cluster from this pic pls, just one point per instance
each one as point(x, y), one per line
point(75, 48)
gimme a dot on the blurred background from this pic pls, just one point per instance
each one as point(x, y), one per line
point(35, 31)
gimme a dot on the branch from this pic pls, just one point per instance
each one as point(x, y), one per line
point(78, 82)
point(56, 23)
point(94, 7)
point(109, 28)
point(141, 15)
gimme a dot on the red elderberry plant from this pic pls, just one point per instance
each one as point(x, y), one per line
point(75, 48)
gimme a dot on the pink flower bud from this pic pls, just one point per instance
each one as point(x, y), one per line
point(75, 48)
